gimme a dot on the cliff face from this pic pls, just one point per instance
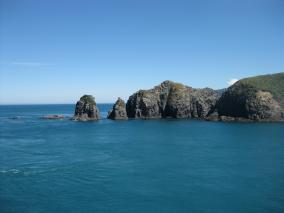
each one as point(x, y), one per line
point(86, 109)
point(257, 98)
point(170, 99)
point(118, 111)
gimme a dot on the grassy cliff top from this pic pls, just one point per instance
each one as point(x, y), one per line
point(273, 83)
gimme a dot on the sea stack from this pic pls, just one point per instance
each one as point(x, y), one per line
point(86, 109)
point(118, 111)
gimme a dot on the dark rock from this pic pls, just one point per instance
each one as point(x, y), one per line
point(86, 109)
point(179, 102)
point(253, 99)
point(170, 99)
point(52, 117)
point(118, 112)
point(143, 104)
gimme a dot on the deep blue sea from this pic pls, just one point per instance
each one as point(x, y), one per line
point(167, 166)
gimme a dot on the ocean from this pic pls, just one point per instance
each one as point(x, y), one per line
point(167, 166)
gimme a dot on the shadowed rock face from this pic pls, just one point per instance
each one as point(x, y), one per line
point(118, 112)
point(170, 99)
point(247, 101)
point(86, 109)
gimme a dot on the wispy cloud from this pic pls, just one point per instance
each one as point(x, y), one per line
point(232, 81)
point(27, 64)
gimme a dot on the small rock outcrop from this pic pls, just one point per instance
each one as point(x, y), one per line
point(86, 109)
point(53, 117)
point(174, 100)
point(118, 112)
point(258, 98)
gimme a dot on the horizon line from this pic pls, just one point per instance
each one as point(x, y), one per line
point(20, 104)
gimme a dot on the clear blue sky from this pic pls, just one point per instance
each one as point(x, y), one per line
point(54, 51)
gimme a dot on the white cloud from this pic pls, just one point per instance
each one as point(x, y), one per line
point(232, 81)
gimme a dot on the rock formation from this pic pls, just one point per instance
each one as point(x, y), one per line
point(258, 98)
point(170, 99)
point(118, 112)
point(86, 109)
point(52, 117)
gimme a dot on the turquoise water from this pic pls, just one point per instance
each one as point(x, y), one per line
point(137, 165)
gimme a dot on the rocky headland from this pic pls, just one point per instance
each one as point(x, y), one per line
point(259, 98)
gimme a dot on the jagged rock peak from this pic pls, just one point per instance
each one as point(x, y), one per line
point(171, 99)
point(118, 111)
point(86, 109)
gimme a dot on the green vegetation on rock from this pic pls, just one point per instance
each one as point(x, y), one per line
point(272, 83)
point(88, 99)
point(86, 109)
point(177, 86)
point(255, 98)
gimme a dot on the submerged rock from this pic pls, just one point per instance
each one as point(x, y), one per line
point(86, 109)
point(52, 117)
point(170, 99)
point(118, 112)
point(15, 118)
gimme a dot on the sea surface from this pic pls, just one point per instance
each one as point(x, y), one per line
point(159, 166)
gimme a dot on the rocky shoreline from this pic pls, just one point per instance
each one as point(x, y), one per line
point(255, 99)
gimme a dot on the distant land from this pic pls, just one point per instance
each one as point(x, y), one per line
point(259, 98)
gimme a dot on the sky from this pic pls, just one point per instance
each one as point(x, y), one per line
point(57, 50)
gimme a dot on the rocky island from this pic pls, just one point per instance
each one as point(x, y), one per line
point(86, 109)
point(259, 98)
